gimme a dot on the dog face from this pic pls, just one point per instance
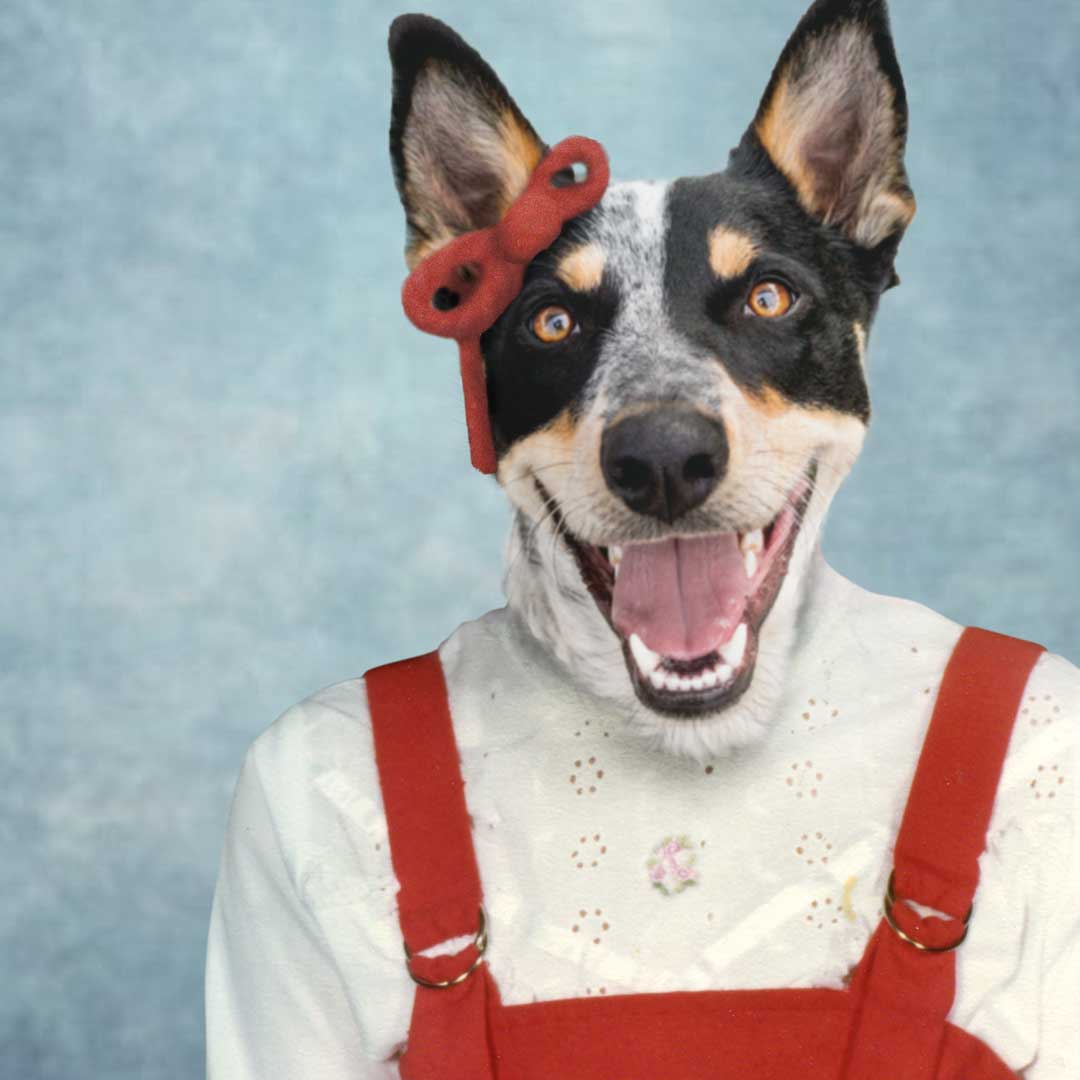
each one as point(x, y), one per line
point(680, 386)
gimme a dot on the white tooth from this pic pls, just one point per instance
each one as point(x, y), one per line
point(754, 541)
point(615, 554)
point(697, 682)
point(658, 679)
point(646, 660)
point(735, 649)
point(723, 673)
point(709, 678)
point(674, 682)
point(750, 563)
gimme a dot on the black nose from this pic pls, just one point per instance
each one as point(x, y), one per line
point(665, 461)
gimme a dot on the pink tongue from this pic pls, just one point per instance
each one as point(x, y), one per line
point(683, 598)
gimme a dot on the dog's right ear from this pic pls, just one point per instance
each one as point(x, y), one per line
point(461, 149)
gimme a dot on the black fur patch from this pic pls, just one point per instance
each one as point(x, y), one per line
point(530, 383)
point(809, 355)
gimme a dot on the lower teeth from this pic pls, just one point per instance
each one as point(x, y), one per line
point(651, 665)
point(706, 680)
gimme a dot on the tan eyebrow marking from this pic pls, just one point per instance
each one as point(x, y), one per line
point(582, 268)
point(769, 402)
point(730, 251)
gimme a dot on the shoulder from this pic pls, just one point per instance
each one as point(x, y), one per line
point(1043, 766)
point(1033, 843)
point(332, 719)
point(856, 621)
point(306, 876)
point(910, 645)
point(315, 768)
point(1053, 693)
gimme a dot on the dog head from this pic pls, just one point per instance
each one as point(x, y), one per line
point(680, 386)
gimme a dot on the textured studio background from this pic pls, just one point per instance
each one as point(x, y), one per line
point(231, 472)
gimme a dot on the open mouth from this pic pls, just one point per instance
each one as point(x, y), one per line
point(688, 610)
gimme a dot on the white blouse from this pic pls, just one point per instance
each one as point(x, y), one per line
point(609, 868)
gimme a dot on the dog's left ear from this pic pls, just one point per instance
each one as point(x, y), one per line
point(462, 150)
point(833, 121)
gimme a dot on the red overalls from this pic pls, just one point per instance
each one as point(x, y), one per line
point(889, 1024)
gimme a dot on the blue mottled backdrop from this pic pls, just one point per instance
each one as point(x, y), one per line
point(230, 471)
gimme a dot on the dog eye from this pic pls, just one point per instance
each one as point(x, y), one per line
point(553, 324)
point(770, 300)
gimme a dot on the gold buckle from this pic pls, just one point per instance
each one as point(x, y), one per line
point(480, 941)
point(890, 902)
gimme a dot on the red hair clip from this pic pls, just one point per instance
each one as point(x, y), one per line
point(461, 289)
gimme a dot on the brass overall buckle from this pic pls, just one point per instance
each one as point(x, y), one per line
point(890, 903)
point(480, 941)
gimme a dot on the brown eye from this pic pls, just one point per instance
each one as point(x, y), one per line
point(553, 324)
point(770, 299)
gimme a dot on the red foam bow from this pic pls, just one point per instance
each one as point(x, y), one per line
point(461, 289)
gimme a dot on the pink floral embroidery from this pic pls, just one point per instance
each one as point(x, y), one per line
point(671, 865)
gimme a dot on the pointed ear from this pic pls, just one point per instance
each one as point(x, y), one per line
point(834, 121)
point(461, 149)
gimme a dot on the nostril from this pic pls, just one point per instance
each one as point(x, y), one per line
point(699, 467)
point(631, 473)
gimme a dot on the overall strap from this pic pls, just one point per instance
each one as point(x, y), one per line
point(432, 853)
point(944, 827)
point(903, 992)
point(424, 798)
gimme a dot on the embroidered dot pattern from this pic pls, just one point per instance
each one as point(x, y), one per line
point(816, 713)
point(814, 849)
point(588, 852)
point(591, 925)
point(823, 912)
point(586, 776)
point(1040, 712)
point(588, 723)
point(804, 779)
point(1047, 782)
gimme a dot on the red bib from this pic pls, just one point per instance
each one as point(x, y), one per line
point(889, 1024)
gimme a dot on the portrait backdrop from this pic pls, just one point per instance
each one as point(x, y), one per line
point(231, 472)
